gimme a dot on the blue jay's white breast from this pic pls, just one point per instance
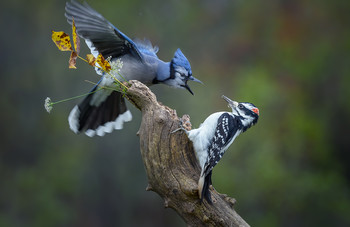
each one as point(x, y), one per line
point(202, 136)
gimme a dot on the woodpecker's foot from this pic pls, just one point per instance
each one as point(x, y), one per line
point(181, 127)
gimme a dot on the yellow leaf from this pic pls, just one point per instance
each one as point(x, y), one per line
point(91, 59)
point(105, 66)
point(62, 41)
point(73, 60)
point(76, 39)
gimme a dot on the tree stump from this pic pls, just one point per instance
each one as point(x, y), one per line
point(171, 165)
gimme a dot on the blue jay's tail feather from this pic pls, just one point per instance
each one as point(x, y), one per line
point(99, 117)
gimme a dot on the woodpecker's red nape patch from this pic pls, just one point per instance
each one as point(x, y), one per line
point(256, 110)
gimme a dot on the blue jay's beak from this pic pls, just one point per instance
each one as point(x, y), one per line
point(232, 104)
point(188, 88)
point(195, 79)
point(192, 79)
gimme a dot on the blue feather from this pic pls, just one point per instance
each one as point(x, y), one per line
point(180, 60)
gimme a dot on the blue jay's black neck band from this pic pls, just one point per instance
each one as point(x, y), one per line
point(172, 70)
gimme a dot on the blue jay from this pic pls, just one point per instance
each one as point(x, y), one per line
point(105, 110)
point(215, 135)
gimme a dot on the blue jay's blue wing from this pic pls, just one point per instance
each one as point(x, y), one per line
point(104, 36)
point(145, 47)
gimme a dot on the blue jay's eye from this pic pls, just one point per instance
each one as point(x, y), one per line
point(182, 75)
point(240, 106)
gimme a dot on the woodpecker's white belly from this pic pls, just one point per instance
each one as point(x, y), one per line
point(202, 136)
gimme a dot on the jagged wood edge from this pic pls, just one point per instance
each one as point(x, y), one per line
point(171, 166)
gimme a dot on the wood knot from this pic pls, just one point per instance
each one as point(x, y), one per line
point(186, 123)
point(166, 202)
point(230, 201)
point(149, 188)
point(160, 118)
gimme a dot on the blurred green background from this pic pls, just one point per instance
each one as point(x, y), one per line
point(288, 57)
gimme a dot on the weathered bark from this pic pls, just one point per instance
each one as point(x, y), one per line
point(171, 165)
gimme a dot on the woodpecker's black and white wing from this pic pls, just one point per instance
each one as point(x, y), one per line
point(100, 35)
point(227, 129)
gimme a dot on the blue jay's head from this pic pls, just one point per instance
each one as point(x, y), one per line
point(180, 72)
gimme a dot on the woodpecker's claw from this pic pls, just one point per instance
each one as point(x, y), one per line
point(181, 127)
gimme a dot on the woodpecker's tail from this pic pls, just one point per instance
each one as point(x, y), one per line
point(203, 187)
point(99, 113)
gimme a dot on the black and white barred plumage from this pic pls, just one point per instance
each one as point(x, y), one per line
point(215, 135)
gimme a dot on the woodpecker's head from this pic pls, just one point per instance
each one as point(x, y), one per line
point(247, 112)
point(180, 72)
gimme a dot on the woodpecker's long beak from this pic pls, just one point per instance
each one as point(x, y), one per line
point(232, 104)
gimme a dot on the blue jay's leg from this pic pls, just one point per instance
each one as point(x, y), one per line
point(99, 113)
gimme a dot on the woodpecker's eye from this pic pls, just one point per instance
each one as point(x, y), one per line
point(240, 106)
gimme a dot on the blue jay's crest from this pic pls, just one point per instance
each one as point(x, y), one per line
point(180, 72)
point(180, 60)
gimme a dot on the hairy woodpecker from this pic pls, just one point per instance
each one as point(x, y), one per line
point(103, 111)
point(215, 135)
